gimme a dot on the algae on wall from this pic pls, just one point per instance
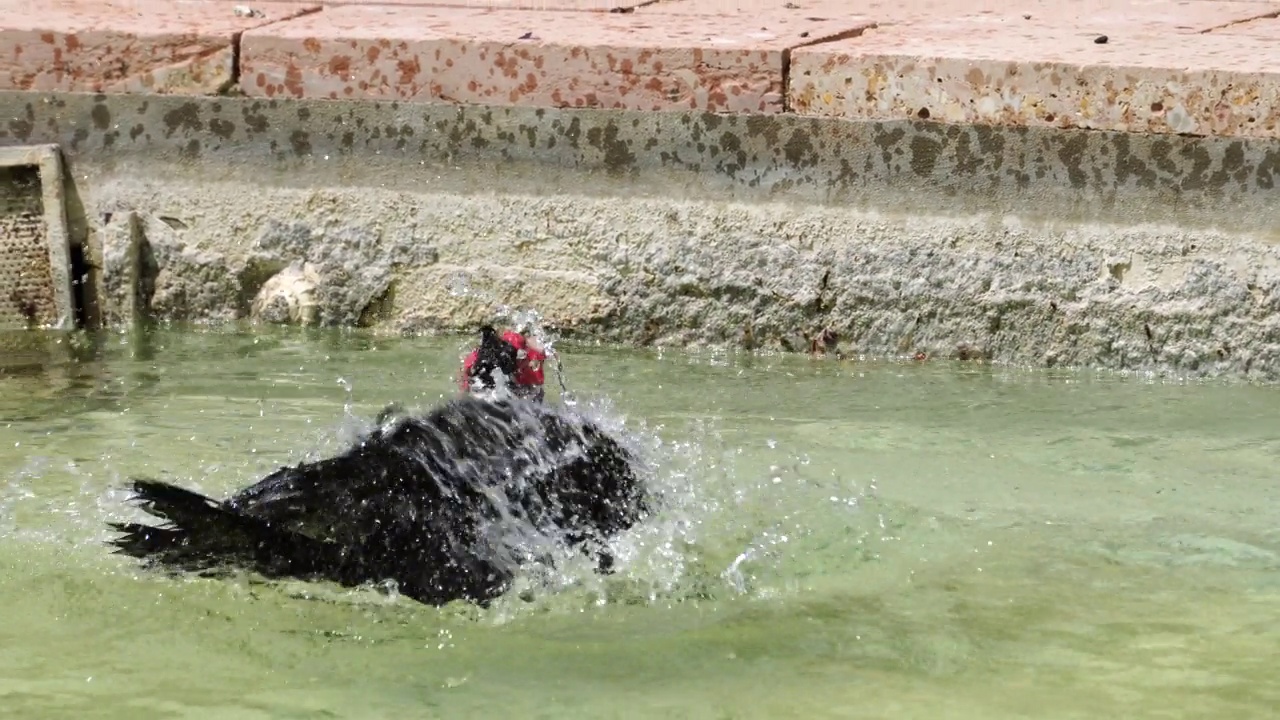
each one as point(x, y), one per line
point(888, 239)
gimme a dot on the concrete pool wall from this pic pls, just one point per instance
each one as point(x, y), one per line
point(1101, 204)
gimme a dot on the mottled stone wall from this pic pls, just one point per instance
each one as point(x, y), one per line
point(1035, 246)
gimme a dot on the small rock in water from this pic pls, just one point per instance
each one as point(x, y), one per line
point(288, 297)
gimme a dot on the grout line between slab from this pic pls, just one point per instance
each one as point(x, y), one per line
point(1266, 16)
point(786, 57)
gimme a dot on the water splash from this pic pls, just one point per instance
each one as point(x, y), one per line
point(734, 520)
point(526, 321)
point(716, 535)
point(728, 527)
point(18, 491)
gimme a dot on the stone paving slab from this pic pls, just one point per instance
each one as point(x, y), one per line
point(730, 64)
point(1203, 84)
point(1095, 15)
point(579, 5)
point(183, 46)
point(1166, 66)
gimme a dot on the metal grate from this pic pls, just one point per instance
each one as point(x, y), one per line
point(34, 253)
point(25, 274)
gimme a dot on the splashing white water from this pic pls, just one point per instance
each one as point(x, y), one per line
point(728, 523)
point(526, 321)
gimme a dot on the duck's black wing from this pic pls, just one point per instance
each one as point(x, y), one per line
point(419, 473)
point(349, 497)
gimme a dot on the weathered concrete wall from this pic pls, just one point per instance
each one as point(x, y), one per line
point(1025, 245)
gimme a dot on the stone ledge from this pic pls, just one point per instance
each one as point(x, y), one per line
point(1197, 67)
point(532, 58)
point(579, 5)
point(908, 167)
point(1032, 245)
point(119, 46)
point(1099, 16)
point(1138, 81)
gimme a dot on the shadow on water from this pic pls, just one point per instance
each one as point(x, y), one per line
point(840, 540)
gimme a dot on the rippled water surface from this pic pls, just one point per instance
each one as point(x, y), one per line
point(841, 540)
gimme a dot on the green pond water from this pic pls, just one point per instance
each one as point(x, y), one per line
point(842, 540)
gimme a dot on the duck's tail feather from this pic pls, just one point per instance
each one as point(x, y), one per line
point(203, 535)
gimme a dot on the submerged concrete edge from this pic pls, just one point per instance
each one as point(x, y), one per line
point(1019, 245)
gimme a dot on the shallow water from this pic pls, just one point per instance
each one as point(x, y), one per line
point(841, 540)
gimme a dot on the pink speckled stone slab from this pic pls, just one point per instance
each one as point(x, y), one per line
point(124, 46)
point(580, 5)
point(1199, 84)
point(1099, 15)
point(531, 58)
